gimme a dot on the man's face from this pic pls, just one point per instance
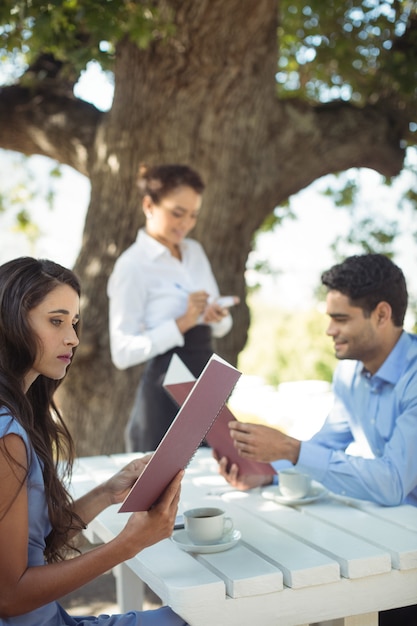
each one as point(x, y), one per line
point(354, 335)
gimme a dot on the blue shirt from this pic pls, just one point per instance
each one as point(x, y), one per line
point(379, 413)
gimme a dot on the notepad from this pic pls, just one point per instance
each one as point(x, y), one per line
point(200, 407)
point(178, 382)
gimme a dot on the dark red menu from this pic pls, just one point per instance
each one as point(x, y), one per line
point(178, 382)
point(199, 409)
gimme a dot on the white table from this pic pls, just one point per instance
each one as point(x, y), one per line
point(327, 560)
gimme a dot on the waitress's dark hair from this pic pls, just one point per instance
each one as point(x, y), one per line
point(24, 284)
point(159, 180)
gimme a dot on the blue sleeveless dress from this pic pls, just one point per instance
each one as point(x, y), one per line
point(53, 614)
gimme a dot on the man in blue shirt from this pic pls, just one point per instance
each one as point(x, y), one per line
point(375, 390)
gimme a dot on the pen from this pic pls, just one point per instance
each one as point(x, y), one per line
point(178, 286)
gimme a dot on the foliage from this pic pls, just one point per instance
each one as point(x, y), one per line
point(286, 346)
point(371, 231)
point(21, 189)
point(257, 265)
point(78, 31)
point(361, 52)
point(354, 51)
point(358, 51)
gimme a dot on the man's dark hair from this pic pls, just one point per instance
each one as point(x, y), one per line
point(368, 279)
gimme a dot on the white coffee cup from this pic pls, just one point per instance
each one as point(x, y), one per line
point(206, 525)
point(293, 484)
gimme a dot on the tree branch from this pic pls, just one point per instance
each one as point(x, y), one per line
point(44, 120)
point(331, 138)
point(372, 136)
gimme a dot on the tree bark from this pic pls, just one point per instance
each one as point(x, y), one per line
point(207, 98)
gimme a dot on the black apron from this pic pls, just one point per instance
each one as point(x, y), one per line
point(153, 409)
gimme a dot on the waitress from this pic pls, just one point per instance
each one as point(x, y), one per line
point(163, 295)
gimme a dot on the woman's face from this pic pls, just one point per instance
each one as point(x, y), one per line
point(170, 221)
point(53, 322)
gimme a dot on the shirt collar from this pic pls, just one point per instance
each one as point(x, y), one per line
point(153, 248)
point(392, 368)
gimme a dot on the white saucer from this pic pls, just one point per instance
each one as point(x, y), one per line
point(317, 491)
point(182, 540)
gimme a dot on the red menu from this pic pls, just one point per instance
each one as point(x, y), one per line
point(199, 409)
point(178, 382)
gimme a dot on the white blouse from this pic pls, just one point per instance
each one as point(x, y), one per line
point(148, 290)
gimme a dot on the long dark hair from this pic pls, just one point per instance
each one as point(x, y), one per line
point(24, 283)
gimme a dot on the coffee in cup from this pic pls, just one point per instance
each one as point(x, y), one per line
point(207, 525)
point(293, 484)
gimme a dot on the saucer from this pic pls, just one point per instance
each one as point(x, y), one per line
point(182, 540)
point(316, 492)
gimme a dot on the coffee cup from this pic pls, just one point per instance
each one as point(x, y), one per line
point(293, 484)
point(207, 525)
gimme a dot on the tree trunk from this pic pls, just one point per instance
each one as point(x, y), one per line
point(196, 109)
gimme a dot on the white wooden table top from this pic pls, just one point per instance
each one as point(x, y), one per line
point(332, 558)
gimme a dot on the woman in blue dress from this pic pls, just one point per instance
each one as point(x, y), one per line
point(39, 314)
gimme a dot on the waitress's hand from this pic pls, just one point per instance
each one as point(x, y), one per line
point(214, 313)
point(196, 305)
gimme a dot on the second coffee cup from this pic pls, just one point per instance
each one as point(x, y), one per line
point(293, 484)
point(206, 525)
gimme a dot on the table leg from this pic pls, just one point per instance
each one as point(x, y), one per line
point(129, 589)
point(367, 619)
